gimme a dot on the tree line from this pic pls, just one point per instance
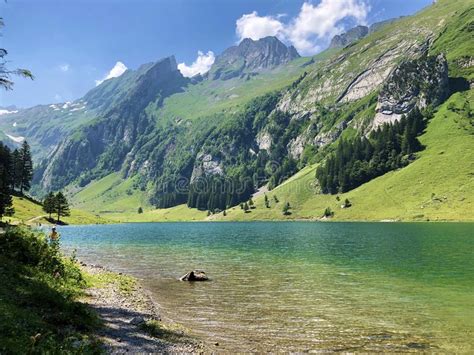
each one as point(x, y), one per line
point(16, 172)
point(361, 159)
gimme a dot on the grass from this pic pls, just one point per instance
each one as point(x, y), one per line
point(28, 212)
point(110, 194)
point(437, 186)
point(179, 213)
point(39, 311)
point(125, 284)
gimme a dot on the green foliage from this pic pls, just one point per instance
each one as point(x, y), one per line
point(61, 206)
point(38, 291)
point(328, 212)
point(286, 209)
point(140, 210)
point(49, 204)
point(360, 160)
point(5, 180)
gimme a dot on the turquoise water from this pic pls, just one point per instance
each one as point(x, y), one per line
point(299, 285)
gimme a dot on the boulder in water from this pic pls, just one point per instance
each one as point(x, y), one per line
point(195, 275)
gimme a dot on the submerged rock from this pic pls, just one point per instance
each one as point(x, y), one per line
point(195, 275)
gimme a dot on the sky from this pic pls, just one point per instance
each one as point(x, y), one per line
point(73, 45)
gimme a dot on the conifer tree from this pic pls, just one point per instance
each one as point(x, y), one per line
point(49, 204)
point(25, 167)
point(5, 181)
point(61, 205)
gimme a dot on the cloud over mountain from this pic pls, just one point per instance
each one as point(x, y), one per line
point(314, 25)
point(201, 65)
point(118, 69)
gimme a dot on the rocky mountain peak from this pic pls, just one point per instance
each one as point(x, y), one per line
point(344, 39)
point(252, 56)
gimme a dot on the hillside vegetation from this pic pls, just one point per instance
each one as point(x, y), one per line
point(29, 212)
point(39, 292)
point(154, 140)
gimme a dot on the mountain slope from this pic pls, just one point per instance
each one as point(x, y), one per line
point(250, 57)
point(162, 140)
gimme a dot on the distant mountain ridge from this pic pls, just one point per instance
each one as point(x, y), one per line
point(252, 56)
point(356, 33)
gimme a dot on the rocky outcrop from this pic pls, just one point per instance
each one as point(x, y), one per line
point(250, 57)
point(206, 165)
point(344, 39)
point(195, 275)
point(416, 83)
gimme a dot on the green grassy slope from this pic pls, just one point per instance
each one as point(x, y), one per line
point(28, 212)
point(439, 185)
point(110, 194)
point(212, 96)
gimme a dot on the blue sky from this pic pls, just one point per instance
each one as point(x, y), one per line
point(70, 45)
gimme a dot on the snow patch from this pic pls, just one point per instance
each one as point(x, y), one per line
point(6, 112)
point(18, 139)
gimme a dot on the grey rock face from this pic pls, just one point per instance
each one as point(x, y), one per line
point(354, 34)
point(252, 56)
point(416, 83)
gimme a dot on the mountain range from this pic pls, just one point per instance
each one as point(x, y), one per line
point(262, 120)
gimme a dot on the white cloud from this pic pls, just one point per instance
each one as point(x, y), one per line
point(118, 69)
point(64, 67)
point(201, 65)
point(314, 25)
point(255, 27)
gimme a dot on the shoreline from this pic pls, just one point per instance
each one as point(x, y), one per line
point(131, 321)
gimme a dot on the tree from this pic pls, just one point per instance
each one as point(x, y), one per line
point(267, 202)
point(347, 203)
point(24, 167)
point(276, 199)
point(224, 213)
point(328, 212)
point(246, 207)
point(49, 204)
point(61, 205)
point(251, 204)
point(5, 181)
point(140, 210)
point(286, 209)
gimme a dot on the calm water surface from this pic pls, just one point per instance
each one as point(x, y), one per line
point(301, 286)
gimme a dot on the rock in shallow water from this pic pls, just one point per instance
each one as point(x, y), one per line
point(195, 275)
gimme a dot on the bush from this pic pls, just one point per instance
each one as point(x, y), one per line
point(38, 292)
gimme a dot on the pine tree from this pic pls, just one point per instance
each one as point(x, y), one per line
point(251, 204)
point(49, 204)
point(5, 181)
point(246, 207)
point(16, 169)
point(286, 209)
point(61, 205)
point(25, 167)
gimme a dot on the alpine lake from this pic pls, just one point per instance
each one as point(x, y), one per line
point(300, 286)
